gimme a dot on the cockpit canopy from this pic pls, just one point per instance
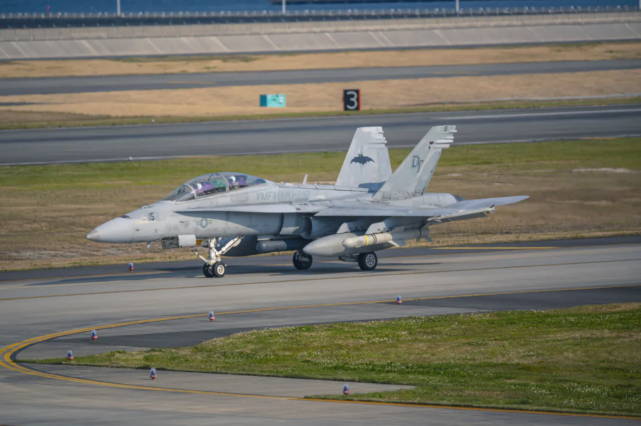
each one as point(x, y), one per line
point(213, 184)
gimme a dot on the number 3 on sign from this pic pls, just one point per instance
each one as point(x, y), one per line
point(352, 100)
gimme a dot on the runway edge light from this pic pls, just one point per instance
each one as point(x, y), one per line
point(94, 335)
point(399, 300)
point(152, 373)
point(211, 316)
point(69, 355)
point(346, 389)
point(131, 266)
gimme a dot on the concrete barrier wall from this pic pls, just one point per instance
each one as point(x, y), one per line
point(76, 33)
point(143, 41)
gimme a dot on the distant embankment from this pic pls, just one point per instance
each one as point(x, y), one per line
point(40, 43)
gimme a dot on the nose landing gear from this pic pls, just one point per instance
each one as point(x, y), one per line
point(214, 266)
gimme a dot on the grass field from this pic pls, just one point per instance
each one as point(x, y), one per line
point(321, 60)
point(578, 189)
point(584, 359)
point(313, 98)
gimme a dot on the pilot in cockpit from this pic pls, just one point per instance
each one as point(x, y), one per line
point(233, 183)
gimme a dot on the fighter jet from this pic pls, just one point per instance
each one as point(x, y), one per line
point(368, 209)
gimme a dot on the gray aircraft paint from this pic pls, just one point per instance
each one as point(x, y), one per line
point(367, 198)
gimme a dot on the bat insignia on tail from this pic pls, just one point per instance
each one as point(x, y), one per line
point(361, 159)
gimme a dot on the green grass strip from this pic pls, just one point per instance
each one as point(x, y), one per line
point(585, 359)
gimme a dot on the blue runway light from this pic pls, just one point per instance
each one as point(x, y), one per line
point(69, 355)
point(399, 300)
point(211, 316)
point(152, 373)
point(346, 389)
point(94, 335)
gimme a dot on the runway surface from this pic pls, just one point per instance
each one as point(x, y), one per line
point(268, 292)
point(30, 86)
point(67, 145)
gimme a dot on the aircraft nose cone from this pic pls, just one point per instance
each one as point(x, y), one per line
point(93, 235)
point(119, 230)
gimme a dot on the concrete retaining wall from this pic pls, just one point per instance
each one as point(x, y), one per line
point(315, 36)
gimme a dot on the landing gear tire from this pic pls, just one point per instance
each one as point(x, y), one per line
point(302, 261)
point(367, 261)
point(219, 269)
point(208, 271)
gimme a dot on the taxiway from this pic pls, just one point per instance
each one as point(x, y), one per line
point(268, 292)
point(52, 85)
point(147, 142)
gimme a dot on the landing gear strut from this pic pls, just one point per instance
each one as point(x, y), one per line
point(214, 266)
point(367, 261)
point(302, 261)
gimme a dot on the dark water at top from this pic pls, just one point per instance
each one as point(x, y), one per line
point(109, 6)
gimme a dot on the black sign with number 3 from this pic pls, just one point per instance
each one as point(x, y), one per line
point(352, 100)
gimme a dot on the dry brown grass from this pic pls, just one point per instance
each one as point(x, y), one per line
point(388, 94)
point(398, 58)
point(44, 225)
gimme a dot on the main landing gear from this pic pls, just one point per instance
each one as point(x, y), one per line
point(214, 266)
point(302, 261)
point(367, 261)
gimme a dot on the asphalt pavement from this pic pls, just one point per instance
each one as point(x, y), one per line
point(144, 142)
point(30, 86)
point(171, 309)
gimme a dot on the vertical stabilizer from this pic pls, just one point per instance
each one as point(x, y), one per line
point(367, 163)
point(413, 175)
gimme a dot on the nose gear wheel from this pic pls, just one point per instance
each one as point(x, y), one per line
point(214, 267)
point(207, 271)
point(219, 269)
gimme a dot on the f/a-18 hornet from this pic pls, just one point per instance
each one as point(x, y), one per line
point(368, 209)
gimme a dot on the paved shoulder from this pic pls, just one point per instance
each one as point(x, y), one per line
point(29, 86)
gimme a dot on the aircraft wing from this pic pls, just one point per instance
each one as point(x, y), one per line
point(467, 209)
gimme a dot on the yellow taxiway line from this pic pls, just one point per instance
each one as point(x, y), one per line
point(9, 352)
